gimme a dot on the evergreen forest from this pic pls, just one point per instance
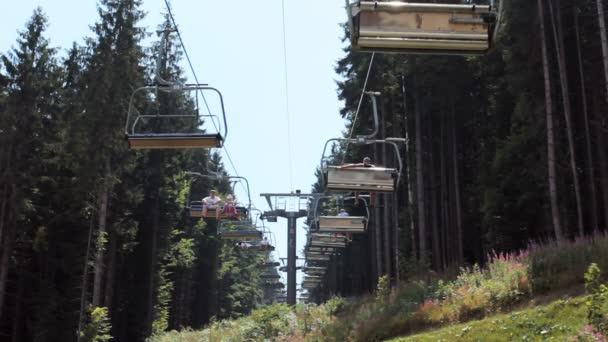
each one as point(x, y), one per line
point(500, 152)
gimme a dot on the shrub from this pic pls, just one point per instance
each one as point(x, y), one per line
point(597, 306)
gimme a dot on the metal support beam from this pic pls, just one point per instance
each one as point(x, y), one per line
point(292, 215)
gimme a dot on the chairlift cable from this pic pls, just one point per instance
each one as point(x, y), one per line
point(352, 127)
point(289, 145)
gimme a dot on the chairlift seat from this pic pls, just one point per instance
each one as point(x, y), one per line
point(196, 210)
point(342, 224)
point(270, 276)
point(318, 258)
point(241, 235)
point(327, 238)
point(373, 179)
point(141, 141)
point(337, 244)
point(274, 285)
point(421, 28)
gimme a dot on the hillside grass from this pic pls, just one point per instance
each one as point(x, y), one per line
point(506, 283)
point(558, 321)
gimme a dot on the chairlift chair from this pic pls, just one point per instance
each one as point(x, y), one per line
point(270, 276)
point(318, 258)
point(241, 235)
point(155, 140)
point(146, 97)
point(324, 244)
point(420, 28)
point(273, 285)
point(371, 178)
point(270, 264)
point(341, 224)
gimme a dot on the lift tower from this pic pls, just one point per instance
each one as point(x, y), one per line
point(291, 206)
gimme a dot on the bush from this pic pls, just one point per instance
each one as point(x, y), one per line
point(597, 306)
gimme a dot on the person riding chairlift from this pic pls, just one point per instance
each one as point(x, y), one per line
point(230, 207)
point(344, 213)
point(211, 202)
point(265, 244)
point(367, 162)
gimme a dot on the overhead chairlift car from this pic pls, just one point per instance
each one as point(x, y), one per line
point(196, 207)
point(421, 28)
point(341, 224)
point(155, 97)
point(269, 264)
point(357, 179)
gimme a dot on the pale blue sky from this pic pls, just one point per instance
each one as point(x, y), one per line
point(237, 47)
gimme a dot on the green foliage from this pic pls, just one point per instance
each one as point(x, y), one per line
point(97, 327)
point(558, 265)
point(556, 321)
point(383, 288)
point(597, 305)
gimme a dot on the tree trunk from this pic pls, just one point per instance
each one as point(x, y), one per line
point(17, 320)
point(377, 224)
point(5, 264)
point(435, 238)
point(7, 249)
point(589, 149)
point(561, 63)
point(386, 211)
point(85, 280)
point(602, 25)
point(152, 264)
point(100, 244)
point(456, 175)
point(420, 180)
point(601, 152)
point(408, 174)
point(111, 273)
point(557, 226)
point(603, 164)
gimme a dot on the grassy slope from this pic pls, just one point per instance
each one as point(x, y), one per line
point(554, 322)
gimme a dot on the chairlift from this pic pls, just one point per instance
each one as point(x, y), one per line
point(341, 224)
point(270, 264)
point(318, 258)
point(241, 235)
point(370, 178)
point(270, 276)
point(273, 285)
point(196, 210)
point(145, 98)
point(242, 213)
point(421, 28)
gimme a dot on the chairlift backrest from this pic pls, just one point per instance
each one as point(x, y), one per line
point(375, 179)
point(420, 28)
point(342, 224)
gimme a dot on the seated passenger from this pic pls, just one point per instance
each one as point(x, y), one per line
point(211, 202)
point(265, 244)
point(367, 162)
point(230, 207)
point(343, 213)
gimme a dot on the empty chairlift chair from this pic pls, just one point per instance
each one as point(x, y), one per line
point(150, 103)
point(250, 235)
point(423, 28)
